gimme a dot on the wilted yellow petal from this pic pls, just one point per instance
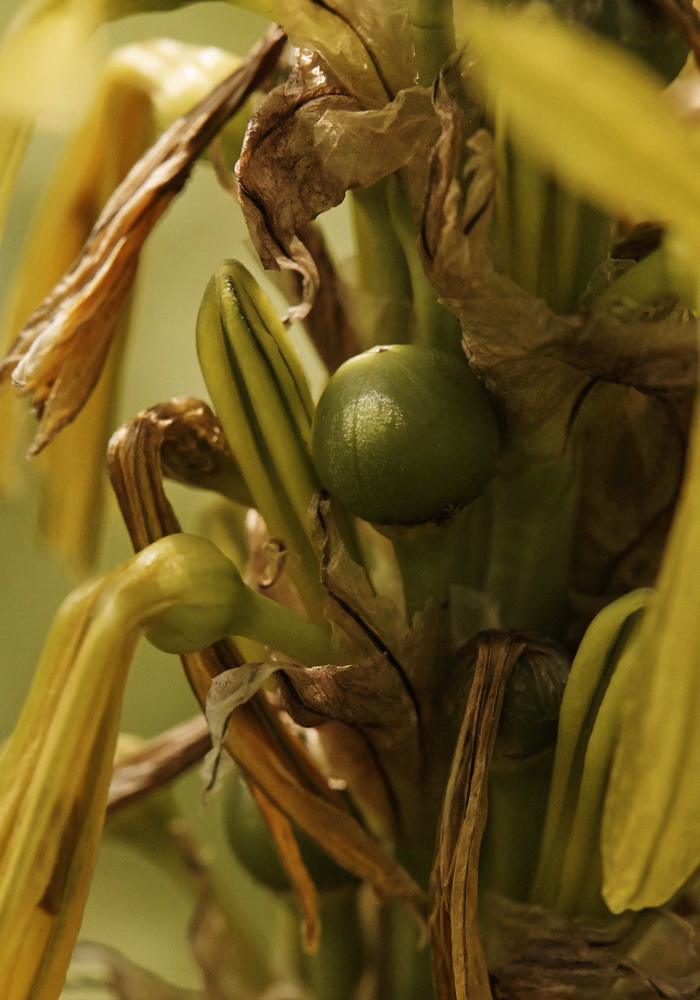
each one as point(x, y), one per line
point(48, 60)
point(143, 89)
point(651, 823)
point(55, 773)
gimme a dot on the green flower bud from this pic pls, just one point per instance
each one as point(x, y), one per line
point(404, 434)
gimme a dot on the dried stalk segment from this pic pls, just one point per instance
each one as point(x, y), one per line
point(458, 958)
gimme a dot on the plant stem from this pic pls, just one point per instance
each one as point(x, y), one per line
point(433, 36)
point(533, 515)
point(517, 802)
point(383, 274)
point(335, 970)
point(551, 241)
point(436, 326)
point(429, 556)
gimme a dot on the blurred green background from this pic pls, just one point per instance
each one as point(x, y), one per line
point(133, 906)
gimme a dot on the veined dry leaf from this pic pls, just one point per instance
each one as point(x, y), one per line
point(58, 356)
point(459, 963)
point(311, 141)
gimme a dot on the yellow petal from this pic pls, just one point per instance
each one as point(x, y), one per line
point(55, 772)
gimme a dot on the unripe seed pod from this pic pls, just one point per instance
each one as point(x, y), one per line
point(404, 434)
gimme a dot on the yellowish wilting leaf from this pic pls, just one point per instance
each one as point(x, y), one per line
point(568, 876)
point(59, 355)
point(614, 140)
point(14, 137)
point(458, 957)
point(652, 811)
point(55, 772)
point(142, 89)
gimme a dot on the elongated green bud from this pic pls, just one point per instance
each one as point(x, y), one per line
point(262, 399)
point(404, 435)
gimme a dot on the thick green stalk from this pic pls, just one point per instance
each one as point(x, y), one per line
point(433, 36)
point(383, 315)
point(335, 970)
point(517, 803)
point(429, 557)
point(436, 326)
point(530, 555)
point(550, 240)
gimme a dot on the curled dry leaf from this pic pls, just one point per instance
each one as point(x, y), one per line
point(459, 962)
point(311, 141)
point(328, 322)
point(59, 354)
point(180, 439)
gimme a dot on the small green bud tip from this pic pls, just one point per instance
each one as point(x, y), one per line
point(201, 591)
point(404, 434)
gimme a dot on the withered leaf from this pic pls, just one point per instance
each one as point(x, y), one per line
point(629, 484)
point(288, 850)
point(459, 962)
point(60, 353)
point(180, 439)
point(539, 953)
point(311, 141)
point(158, 762)
point(328, 322)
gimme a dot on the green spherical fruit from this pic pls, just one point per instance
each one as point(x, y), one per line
point(404, 435)
point(253, 847)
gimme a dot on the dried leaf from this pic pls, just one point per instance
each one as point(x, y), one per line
point(458, 958)
point(328, 323)
point(277, 762)
point(61, 351)
point(158, 762)
point(311, 141)
point(369, 46)
point(629, 486)
point(539, 953)
point(284, 840)
point(181, 439)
